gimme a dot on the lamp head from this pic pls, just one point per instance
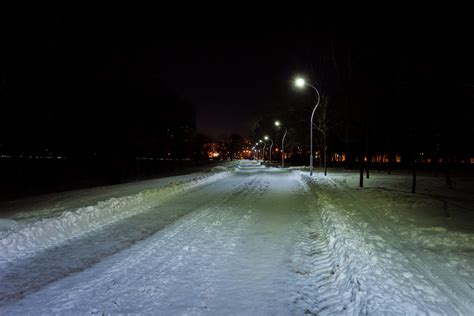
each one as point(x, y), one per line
point(299, 82)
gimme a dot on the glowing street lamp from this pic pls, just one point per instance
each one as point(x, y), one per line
point(301, 83)
point(257, 149)
point(268, 138)
point(277, 123)
point(264, 145)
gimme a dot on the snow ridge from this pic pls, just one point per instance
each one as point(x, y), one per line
point(315, 266)
point(26, 240)
point(328, 280)
point(370, 272)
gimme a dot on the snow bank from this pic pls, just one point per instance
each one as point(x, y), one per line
point(250, 164)
point(376, 268)
point(376, 278)
point(17, 240)
point(7, 224)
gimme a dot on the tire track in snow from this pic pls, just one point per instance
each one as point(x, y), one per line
point(433, 279)
point(415, 292)
point(316, 291)
point(28, 275)
point(164, 256)
point(257, 278)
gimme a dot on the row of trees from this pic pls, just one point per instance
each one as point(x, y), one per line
point(83, 113)
point(377, 100)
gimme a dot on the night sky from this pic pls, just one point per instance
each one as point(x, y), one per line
point(229, 67)
point(235, 67)
point(228, 81)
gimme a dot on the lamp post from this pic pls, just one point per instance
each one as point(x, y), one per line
point(264, 145)
point(301, 83)
point(277, 123)
point(268, 138)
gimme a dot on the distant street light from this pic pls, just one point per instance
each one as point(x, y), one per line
point(268, 138)
point(301, 83)
point(264, 146)
point(277, 123)
point(257, 150)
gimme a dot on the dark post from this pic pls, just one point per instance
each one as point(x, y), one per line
point(389, 164)
point(367, 149)
point(415, 158)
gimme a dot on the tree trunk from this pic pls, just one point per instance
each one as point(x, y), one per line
point(387, 149)
point(367, 150)
point(325, 157)
point(389, 164)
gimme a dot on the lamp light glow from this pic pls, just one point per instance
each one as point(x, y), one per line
point(299, 82)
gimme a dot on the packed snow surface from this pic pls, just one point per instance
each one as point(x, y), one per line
point(248, 239)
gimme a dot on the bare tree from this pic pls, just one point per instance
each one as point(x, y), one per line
point(323, 126)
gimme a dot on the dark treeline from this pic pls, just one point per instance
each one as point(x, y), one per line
point(93, 111)
point(403, 92)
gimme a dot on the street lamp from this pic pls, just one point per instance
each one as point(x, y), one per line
point(277, 123)
point(301, 83)
point(268, 138)
point(264, 145)
point(257, 150)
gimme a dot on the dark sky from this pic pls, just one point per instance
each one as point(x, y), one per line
point(228, 81)
point(230, 66)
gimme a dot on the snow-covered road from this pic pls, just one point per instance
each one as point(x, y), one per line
point(249, 240)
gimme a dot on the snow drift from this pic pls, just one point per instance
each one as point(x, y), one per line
point(377, 270)
point(23, 240)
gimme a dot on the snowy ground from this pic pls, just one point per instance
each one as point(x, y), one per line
point(245, 239)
